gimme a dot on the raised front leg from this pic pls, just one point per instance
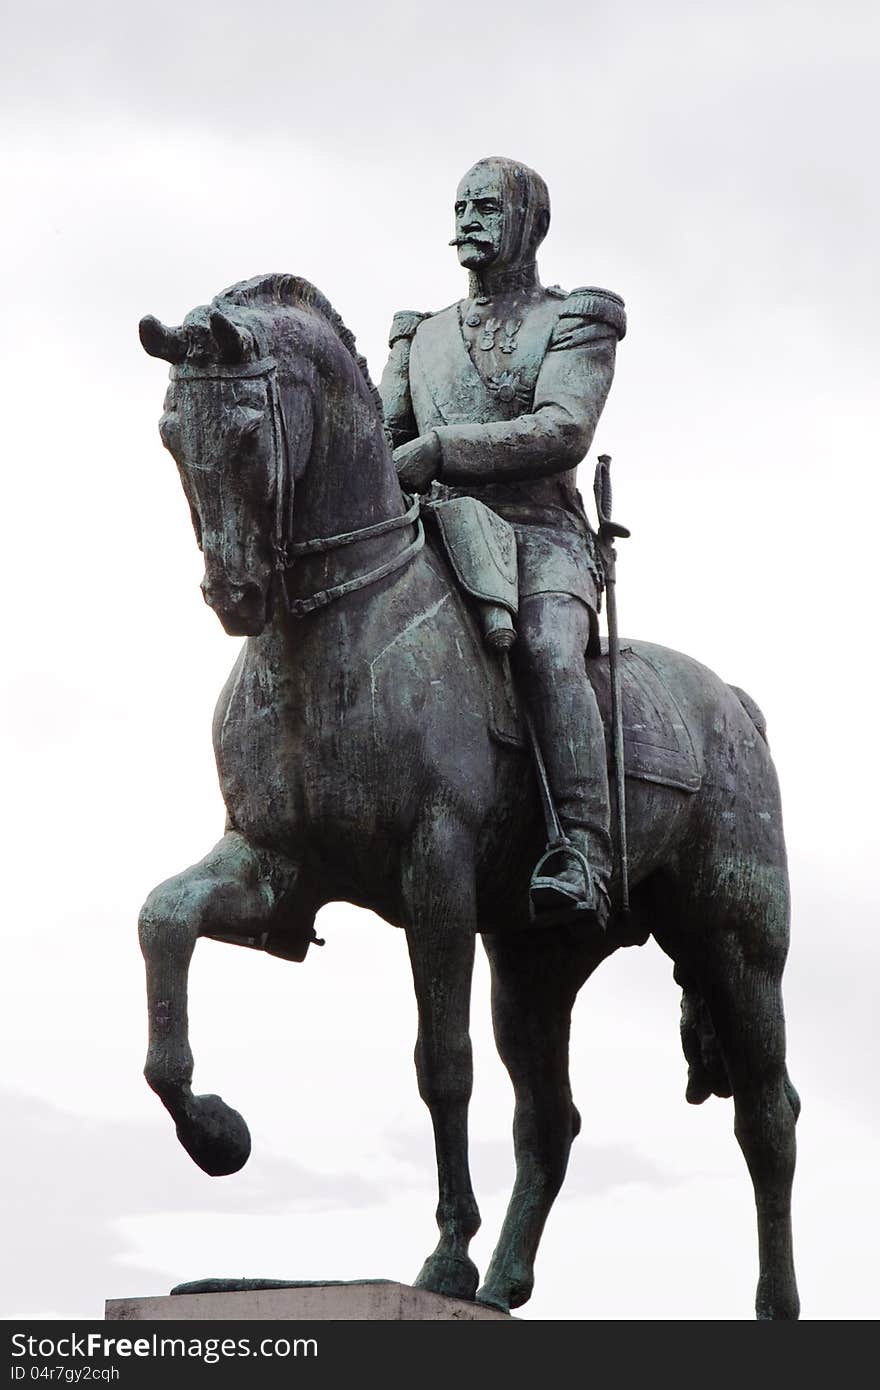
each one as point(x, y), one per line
point(234, 891)
point(439, 894)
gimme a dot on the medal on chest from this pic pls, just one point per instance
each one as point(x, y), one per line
point(508, 387)
point(490, 330)
point(491, 334)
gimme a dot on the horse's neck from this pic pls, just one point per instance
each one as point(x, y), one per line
point(349, 485)
point(350, 481)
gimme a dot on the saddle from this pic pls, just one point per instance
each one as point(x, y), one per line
point(481, 549)
point(657, 746)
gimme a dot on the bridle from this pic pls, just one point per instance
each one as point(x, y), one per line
point(285, 553)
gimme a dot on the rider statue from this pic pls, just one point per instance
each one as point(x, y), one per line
point(497, 397)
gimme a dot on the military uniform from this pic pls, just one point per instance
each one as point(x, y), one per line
point(514, 413)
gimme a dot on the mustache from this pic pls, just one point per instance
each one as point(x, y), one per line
point(471, 241)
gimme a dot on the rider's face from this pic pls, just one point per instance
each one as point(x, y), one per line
point(479, 219)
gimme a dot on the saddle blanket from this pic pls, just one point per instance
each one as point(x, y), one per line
point(656, 742)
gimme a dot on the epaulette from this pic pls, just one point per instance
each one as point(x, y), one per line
point(404, 325)
point(587, 301)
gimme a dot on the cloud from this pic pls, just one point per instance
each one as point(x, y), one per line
point(595, 1169)
point(711, 168)
point(69, 1180)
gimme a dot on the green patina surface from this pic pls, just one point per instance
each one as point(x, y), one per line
point(370, 746)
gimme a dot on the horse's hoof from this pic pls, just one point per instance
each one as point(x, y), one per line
point(456, 1276)
point(214, 1135)
point(506, 1294)
point(490, 1298)
point(777, 1303)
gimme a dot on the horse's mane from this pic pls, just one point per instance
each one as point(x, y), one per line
point(294, 291)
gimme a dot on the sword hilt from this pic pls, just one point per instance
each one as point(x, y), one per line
point(608, 529)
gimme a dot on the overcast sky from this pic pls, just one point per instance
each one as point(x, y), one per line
point(715, 165)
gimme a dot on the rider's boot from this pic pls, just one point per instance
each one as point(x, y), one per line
point(570, 882)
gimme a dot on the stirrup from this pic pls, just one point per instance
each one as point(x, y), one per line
point(552, 901)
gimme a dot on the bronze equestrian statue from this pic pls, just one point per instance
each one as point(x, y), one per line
point(371, 749)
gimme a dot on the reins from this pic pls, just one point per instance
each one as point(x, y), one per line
point(285, 553)
point(380, 528)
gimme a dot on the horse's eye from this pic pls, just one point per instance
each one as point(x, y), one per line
point(245, 424)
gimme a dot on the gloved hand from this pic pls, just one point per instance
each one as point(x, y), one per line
point(418, 462)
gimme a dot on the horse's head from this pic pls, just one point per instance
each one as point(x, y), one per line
point(265, 381)
point(229, 430)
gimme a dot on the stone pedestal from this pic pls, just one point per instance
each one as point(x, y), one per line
point(369, 1301)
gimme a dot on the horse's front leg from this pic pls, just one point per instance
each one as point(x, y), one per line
point(535, 977)
point(440, 901)
point(233, 890)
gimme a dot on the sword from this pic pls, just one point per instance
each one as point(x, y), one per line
point(609, 531)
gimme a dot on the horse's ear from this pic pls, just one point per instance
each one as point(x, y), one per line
point(233, 342)
point(168, 343)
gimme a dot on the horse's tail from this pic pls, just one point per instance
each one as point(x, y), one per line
point(707, 1070)
point(753, 710)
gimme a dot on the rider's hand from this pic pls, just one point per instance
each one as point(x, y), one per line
point(418, 462)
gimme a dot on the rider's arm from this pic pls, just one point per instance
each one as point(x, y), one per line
point(394, 386)
point(571, 390)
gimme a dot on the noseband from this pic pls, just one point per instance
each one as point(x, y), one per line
point(285, 553)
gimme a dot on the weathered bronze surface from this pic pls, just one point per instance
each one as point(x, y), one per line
point(370, 749)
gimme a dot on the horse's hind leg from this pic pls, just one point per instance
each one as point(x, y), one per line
point(738, 971)
point(535, 978)
point(227, 891)
point(749, 1019)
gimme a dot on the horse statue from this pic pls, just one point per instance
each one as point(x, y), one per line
point(370, 750)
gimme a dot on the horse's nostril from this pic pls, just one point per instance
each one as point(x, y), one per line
point(221, 594)
point(246, 593)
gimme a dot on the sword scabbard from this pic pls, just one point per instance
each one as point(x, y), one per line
point(609, 531)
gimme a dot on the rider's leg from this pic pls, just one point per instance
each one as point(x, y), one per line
point(549, 657)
